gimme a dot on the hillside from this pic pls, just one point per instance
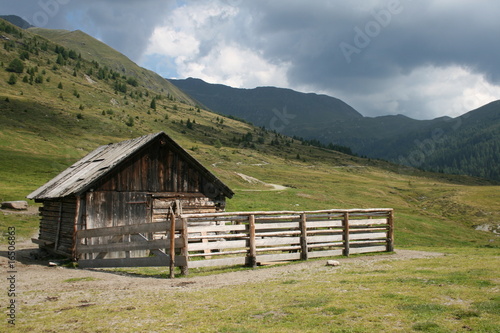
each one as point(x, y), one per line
point(55, 106)
point(92, 49)
point(469, 144)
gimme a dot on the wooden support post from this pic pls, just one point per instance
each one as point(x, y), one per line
point(303, 237)
point(59, 222)
point(251, 260)
point(390, 232)
point(184, 250)
point(172, 245)
point(345, 235)
point(74, 254)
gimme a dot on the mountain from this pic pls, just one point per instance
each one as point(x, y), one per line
point(469, 144)
point(17, 21)
point(284, 110)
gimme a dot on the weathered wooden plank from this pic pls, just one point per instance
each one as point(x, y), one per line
point(368, 249)
point(324, 231)
point(277, 219)
point(353, 222)
point(267, 213)
point(278, 233)
point(217, 228)
point(214, 254)
point(128, 246)
point(272, 226)
point(42, 242)
point(373, 235)
point(277, 241)
point(327, 253)
point(217, 262)
point(329, 244)
point(324, 238)
point(218, 245)
point(127, 229)
point(131, 262)
point(278, 257)
point(279, 248)
point(324, 224)
point(202, 236)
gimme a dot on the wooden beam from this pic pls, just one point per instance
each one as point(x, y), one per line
point(303, 237)
point(126, 229)
point(184, 250)
point(59, 222)
point(251, 260)
point(345, 235)
point(390, 232)
point(172, 245)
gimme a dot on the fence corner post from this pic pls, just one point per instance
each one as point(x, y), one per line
point(390, 231)
point(303, 237)
point(251, 259)
point(345, 234)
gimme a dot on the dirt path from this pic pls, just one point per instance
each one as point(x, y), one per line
point(252, 180)
point(40, 283)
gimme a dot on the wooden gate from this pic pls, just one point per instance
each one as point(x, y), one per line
point(94, 252)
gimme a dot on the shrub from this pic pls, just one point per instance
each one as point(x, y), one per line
point(12, 80)
point(16, 66)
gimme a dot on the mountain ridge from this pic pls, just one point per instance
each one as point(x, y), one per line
point(396, 138)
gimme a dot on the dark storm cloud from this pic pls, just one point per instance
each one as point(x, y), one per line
point(330, 43)
point(125, 25)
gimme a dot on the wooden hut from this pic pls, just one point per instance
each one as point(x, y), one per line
point(131, 182)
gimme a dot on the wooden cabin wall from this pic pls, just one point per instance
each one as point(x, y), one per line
point(190, 203)
point(157, 168)
point(57, 224)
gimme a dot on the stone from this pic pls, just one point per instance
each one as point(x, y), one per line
point(18, 205)
point(333, 263)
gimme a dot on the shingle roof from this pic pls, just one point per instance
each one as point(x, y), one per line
point(80, 176)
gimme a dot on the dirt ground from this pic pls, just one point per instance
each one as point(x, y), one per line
point(39, 282)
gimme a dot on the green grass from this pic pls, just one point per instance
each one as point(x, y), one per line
point(388, 296)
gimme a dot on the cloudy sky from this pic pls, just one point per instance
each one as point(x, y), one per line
point(423, 59)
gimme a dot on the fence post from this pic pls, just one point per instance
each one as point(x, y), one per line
point(390, 231)
point(172, 245)
point(303, 237)
point(184, 250)
point(345, 235)
point(251, 260)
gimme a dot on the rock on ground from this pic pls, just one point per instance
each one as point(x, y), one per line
point(18, 205)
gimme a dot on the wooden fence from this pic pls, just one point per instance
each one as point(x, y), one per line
point(240, 238)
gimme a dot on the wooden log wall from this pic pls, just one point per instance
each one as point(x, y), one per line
point(57, 225)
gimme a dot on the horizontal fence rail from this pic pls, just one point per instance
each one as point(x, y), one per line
point(242, 238)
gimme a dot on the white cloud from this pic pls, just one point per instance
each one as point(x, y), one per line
point(425, 93)
point(200, 39)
